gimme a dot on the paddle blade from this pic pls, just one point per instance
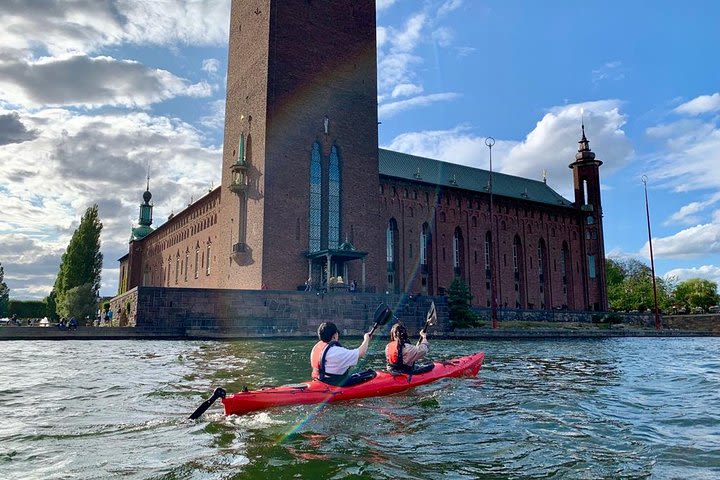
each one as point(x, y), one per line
point(431, 318)
point(218, 393)
point(432, 315)
point(383, 314)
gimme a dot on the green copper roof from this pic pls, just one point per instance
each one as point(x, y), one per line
point(451, 175)
point(140, 232)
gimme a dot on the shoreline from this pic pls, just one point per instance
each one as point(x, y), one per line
point(132, 333)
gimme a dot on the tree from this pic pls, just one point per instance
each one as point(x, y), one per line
point(4, 293)
point(81, 265)
point(459, 298)
point(629, 285)
point(696, 292)
point(79, 302)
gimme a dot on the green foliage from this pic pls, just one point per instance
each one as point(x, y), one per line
point(78, 302)
point(4, 294)
point(629, 284)
point(459, 297)
point(51, 306)
point(106, 306)
point(26, 308)
point(81, 263)
point(696, 293)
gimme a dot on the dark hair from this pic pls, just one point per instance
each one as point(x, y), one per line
point(326, 330)
point(399, 332)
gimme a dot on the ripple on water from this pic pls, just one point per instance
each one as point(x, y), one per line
point(613, 408)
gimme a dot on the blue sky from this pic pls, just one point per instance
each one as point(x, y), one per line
point(92, 91)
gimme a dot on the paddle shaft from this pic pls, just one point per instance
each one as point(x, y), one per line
point(218, 393)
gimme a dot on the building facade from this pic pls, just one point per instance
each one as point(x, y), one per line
point(307, 195)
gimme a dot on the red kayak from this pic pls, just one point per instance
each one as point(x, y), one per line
point(314, 391)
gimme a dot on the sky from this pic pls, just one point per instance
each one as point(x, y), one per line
point(93, 93)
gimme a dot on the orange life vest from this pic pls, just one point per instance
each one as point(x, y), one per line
point(395, 355)
point(316, 358)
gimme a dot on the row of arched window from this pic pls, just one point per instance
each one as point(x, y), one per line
point(517, 271)
point(167, 275)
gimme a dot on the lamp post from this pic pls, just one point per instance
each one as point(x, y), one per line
point(652, 261)
point(489, 142)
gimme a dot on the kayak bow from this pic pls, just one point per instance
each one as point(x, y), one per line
point(314, 391)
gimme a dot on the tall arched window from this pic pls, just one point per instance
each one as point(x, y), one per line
point(334, 189)
point(177, 267)
point(207, 258)
point(391, 253)
point(424, 234)
point(542, 271)
point(187, 261)
point(517, 271)
point(197, 259)
point(457, 252)
point(565, 272)
point(315, 199)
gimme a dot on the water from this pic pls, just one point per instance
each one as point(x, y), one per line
point(613, 408)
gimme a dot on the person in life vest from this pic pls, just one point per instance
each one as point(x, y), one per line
point(401, 355)
point(331, 362)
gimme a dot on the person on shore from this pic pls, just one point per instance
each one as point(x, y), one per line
point(331, 362)
point(401, 355)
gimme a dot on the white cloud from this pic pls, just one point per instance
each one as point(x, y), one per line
point(216, 118)
point(384, 4)
point(689, 146)
point(551, 146)
point(211, 66)
point(91, 82)
point(693, 242)
point(689, 214)
point(700, 105)
point(77, 160)
point(84, 26)
point(406, 90)
point(389, 109)
point(707, 272)
point(12, 130)
point(449, 6)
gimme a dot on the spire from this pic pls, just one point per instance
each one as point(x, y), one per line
point(145, 219)
point(584, 152)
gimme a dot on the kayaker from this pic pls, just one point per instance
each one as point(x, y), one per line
point(331, 362)
point(401, 355)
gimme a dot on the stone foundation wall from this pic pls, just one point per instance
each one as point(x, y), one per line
point(253, 313)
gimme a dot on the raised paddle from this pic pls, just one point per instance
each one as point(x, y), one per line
point(431, 319)
point(382, 315)
point(218, 393)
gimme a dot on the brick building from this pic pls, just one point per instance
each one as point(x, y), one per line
point(306, 194)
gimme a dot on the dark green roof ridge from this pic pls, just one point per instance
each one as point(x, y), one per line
point(451, 175)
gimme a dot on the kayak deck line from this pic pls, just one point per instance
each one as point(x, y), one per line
point(314, 391)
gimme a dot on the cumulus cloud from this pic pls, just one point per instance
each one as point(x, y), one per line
point(12, 130)
point(84, 26)
point(694, 242)
point(707, 272)
point(90, 81)
point(550, 147)
point(77, 160)
point(700, 105)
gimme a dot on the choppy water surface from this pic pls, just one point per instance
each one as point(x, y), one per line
point(615, 408)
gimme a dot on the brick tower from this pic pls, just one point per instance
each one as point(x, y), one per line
point(300, 176)
point(586, 182)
